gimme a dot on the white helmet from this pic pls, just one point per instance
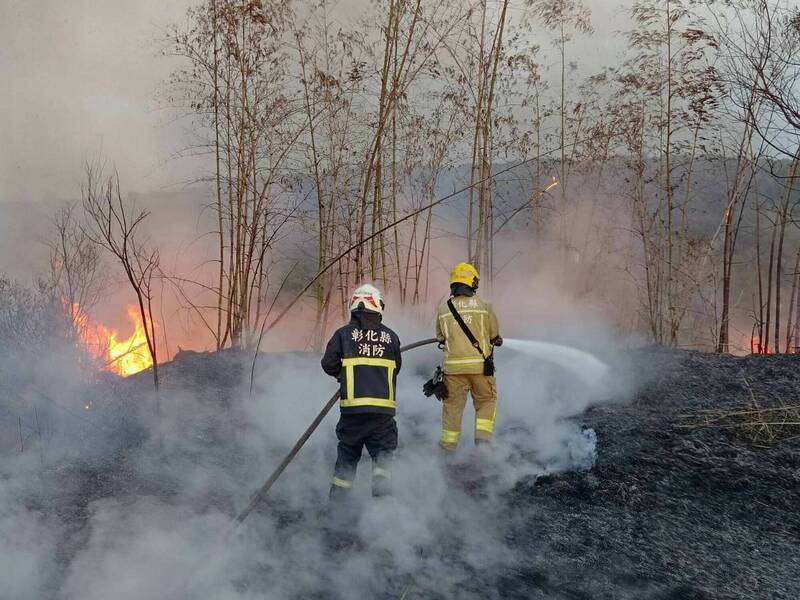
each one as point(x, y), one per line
point(367, 297)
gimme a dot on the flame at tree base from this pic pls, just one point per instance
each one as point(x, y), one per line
point(121, 356)
point(757, 346)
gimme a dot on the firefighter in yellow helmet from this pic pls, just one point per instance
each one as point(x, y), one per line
point(467, 329)
point(364, 356)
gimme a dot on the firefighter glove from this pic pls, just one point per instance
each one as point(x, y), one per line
point(435, 386)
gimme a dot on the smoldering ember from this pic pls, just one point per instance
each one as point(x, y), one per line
point(354, 299)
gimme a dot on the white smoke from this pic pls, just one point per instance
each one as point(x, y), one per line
point(166, 532)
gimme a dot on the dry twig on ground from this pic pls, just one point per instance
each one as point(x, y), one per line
point(756, 422)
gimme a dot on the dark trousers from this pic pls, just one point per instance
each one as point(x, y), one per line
point(378, 432)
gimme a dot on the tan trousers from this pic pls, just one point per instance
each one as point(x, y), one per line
point(484, 397)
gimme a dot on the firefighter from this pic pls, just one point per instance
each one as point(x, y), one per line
point(364, 356)
point(468, 357)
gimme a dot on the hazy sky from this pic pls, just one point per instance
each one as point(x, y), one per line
point(81, 78)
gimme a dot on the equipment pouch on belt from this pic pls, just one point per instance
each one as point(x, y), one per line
point(488, 361)
point(488, 365)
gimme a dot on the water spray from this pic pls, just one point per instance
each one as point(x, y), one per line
point(588, 367)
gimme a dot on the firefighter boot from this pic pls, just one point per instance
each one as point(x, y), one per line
point(381, 482)
point(338, 493)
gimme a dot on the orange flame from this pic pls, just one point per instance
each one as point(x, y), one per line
point(122, 356)
point(756, 346)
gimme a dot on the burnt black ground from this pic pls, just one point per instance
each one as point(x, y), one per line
point(665, 513)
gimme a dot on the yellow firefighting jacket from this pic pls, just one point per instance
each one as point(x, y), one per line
point(459, 355)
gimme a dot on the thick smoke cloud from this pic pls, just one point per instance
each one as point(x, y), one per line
point(83, 78)
point(28, 536)
point(163, 527)
point(132, 499)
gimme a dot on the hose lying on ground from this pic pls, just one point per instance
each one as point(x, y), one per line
point(264, 489)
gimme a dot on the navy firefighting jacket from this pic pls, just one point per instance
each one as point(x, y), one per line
point(364, 356)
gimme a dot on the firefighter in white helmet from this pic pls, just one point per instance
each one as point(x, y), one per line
point(364, 356)
point(467, 329)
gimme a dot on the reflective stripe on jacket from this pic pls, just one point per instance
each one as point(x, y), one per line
point(459, 355)
point(364, 356)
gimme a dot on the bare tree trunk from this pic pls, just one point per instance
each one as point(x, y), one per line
point(760, 277)
point(784, 217)
point(727, 257)
point(390, 33)
point(483, 249)
point(476, 141)
point(731, 232)
point(768, 318)
point(791, 326)
point(797, 309)
point(386, 106)
point(668, 181)
point(221, 233)
point(111, 227)
point(563, 111)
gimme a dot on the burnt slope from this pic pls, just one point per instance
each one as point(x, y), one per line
point(666, 512)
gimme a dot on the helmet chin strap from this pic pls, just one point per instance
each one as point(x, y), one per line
point(362, 308)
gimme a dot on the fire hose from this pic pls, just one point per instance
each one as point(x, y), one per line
point(264, 489)
point(189, 584)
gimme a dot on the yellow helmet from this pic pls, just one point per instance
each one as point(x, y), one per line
point(465, 273)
